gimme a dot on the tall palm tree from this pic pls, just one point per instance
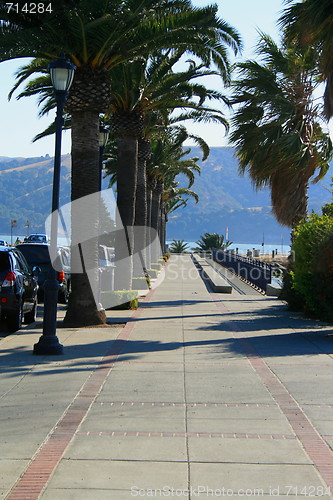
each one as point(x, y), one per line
point(97, 36)
point(277, 129)
point(309, 23)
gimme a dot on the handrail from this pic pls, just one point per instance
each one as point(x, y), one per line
point(257, 272)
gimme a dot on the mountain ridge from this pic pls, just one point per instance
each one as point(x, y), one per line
point(226, 199)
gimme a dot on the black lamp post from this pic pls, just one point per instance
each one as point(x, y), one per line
point(104, 133)
point(62, 73)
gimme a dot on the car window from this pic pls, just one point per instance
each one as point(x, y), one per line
point(4, 262)
point(39, 238)
point(17, 266)
point(22, 262)
point(35, 254)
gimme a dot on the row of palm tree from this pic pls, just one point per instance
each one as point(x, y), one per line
point(104, 39)
point(125, 52)
point(145, 95)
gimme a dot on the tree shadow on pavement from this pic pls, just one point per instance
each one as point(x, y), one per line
point(87, 357)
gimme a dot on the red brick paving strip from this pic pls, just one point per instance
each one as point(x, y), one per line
point(313, 443)
point(36, 476)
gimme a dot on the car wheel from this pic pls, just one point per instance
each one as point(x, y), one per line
point(15, 320)
point(31, 316)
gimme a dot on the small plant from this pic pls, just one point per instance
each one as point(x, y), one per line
point(166, 257)
point(178, 246)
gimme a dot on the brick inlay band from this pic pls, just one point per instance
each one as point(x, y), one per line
point(187, 404)
point(313, 443)
point(230, 435)
point(42, 465)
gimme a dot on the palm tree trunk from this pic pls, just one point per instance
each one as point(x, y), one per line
point(140, 222)
point(127, 166)
point(82, 308)
point(155, 217)
point(148, 232)
point(160, 224)
point(289, 194)
point(163, 231)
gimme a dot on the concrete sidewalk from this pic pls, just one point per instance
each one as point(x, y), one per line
point(200, 395)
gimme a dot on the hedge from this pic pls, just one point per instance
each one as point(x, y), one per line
point(309, 283)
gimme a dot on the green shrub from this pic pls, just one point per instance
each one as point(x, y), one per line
point(289, 294)
point(328, 209)
point(312, 273)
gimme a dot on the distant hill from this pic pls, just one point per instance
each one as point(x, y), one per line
point(226, 199)
point(229, 200)
point(26, 191)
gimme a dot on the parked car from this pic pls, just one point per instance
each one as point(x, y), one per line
point(36, 238)
point(37, 254)
point(3, 243)
point(18, 289)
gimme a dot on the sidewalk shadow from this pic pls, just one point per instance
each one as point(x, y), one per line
point(175, 303)
point(79, 357)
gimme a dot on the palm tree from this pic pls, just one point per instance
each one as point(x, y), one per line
point(178, 246)
point(277, 131)
point(97, 36)
point(309, 23)
point(209, 241)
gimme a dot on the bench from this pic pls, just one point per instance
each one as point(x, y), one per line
point(216, 281)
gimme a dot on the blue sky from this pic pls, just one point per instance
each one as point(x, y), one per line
point(19, 121)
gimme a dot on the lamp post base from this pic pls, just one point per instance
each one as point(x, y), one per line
point(48, 344)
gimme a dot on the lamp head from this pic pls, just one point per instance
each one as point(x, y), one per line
point(62, 73)
point(104, 133)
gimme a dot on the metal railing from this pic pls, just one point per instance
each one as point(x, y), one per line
point(255, 271)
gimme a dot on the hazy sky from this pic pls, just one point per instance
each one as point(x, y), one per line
point(19, 121)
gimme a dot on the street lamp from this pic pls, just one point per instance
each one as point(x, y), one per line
point(104, 133)
point(62, 73)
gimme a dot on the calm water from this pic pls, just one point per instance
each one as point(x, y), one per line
point(281, 248)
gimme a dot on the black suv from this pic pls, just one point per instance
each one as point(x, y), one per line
point(37, 255)
point(18, 289)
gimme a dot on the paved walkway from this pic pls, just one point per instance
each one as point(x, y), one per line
point(200, 395)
